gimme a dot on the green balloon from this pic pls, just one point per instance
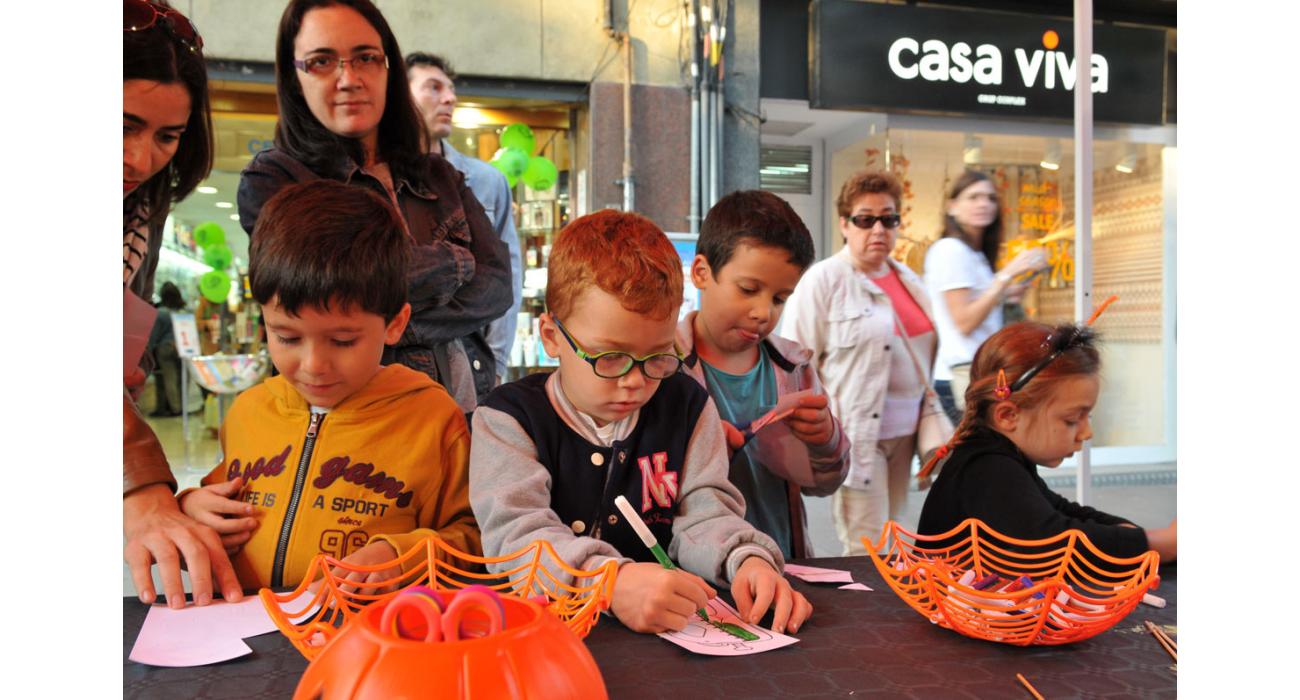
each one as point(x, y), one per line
point(518, 136)
point(510, 161)
point(209, 233)
point(214, 286)
point(541, 173)
point(218, 256)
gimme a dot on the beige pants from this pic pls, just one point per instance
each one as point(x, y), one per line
point(862, 513)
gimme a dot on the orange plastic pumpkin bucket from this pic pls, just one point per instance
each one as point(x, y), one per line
point(534, 656)
point(1068, 589)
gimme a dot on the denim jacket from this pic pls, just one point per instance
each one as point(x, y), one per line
point(459, 277)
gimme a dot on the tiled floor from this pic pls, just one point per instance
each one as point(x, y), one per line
point(1150, 501)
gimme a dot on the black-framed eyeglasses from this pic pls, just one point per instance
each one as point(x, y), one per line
point(1068, 338)
point(364, 63)
point(139, 15)
point(615, 363)
point(866, 221)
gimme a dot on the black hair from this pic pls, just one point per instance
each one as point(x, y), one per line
point(756, 218)
point(322, 242)
point(169, 297)
point(156, 54)
point(298, 132)
point(432, 60)
point(992, 237)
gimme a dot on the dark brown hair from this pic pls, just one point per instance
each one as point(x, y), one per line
point(868, 182)
point(155, 54)
point(992, 237)
point(756, 218)
point(322, 242)
point(1014, 350)
point(432, 60)
point(301, 135)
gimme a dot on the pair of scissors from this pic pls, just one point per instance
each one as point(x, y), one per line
point(441, 618)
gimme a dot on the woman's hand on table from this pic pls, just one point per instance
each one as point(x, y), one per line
point(811, 422)
point(157, 531)
point(757, 586)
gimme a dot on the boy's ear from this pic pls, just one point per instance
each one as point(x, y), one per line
point(550, 334)
point(701, 273)
point(1005, 416)
point(393, 331)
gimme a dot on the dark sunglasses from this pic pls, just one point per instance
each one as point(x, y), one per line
point(139, 15)
point(866, 221)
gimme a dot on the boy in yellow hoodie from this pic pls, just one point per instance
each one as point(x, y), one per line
point(337, 454)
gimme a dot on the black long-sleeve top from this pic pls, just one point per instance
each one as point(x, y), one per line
point(987, 477)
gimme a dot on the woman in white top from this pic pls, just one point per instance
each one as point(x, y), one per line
point(965, 293)
point(849, 309)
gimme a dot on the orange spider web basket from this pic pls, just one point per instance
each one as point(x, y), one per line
point(310, 619)
point(1071, 590)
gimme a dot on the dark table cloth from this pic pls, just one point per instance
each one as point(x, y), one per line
point(857, 644)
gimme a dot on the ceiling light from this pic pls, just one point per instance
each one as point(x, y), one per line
point(467, 117)
point(225, 205)
point(1128, 163)
point(972, 150)
point(1052, 156)
point(206, 189)
point(234, 217)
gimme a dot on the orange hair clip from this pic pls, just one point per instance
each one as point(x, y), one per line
point(1003, 390)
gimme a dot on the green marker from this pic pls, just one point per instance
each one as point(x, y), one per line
point(634, 519)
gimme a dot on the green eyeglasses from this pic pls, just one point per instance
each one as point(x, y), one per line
point(615, 363)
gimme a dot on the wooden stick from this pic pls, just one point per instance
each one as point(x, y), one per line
point(1164, 640)
point(1030, 688)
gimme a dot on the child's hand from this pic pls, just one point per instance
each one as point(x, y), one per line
point(650, 598)
point(811, 421)
point(377, 552)
point(218, 507)
point(735, 438)
point(757, 585)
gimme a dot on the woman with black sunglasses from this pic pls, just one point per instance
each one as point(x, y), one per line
point(966, 295)
point(166, 152)
point(867, 320)
point(346, 114)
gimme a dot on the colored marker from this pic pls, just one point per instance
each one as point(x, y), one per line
point(648, 538)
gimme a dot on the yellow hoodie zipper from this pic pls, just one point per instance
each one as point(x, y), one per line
point(282, 547)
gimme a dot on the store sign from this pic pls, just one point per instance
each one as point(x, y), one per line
point(896, 57)
point(186, 333)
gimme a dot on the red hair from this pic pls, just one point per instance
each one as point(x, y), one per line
point(1015, 350)
point(620, 253)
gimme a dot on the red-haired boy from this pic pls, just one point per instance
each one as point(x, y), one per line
point(552, 451)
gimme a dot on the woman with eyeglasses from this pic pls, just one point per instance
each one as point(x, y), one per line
point(166, 152)
point(346, 114)
point(866, 318)
point(966, 295)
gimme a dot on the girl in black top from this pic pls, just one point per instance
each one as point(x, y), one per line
point(1031, 392)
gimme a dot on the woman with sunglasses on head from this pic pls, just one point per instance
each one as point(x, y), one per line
point(346, 114)
point(867, 320)
point(166, 152)
point(966, 295)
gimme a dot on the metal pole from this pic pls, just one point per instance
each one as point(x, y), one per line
point(629, 189)
point(715, 170)
point(695, 158)
point(185, 409)
point(706, 147)
point(1083, 198)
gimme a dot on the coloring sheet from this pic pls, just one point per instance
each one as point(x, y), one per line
point(784, 407)
point(814, 574)
point(195, 636)
point(710, 639)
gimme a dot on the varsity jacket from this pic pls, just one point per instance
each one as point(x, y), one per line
point(534, 474)
point(987, 477)
point(829, 463)
point(387, 463)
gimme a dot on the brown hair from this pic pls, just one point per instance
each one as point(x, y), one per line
point(868, 182)
point(992, 237)
point(622, 254)
point(322, 242)
point(756, 218)
point(1015, 350)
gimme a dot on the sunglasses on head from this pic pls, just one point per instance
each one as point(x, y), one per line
point(139, 15)
point(866, 221)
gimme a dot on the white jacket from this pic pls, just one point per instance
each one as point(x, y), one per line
point(847, 321)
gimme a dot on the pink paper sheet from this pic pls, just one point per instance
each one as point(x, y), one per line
point(194, 636)
point(814, 574)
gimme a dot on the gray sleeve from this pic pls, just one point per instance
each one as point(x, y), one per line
point(510, 492)
point(501, 332)
point(710, 535)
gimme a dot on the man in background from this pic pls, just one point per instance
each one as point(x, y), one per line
point(433, 88)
